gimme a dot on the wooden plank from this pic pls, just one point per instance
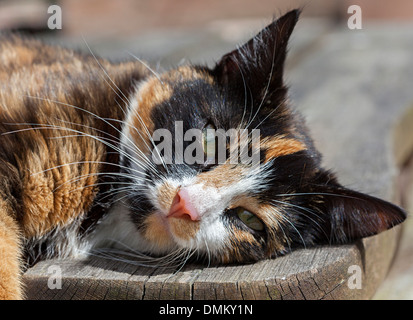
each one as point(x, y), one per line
point(167, 285)
point(220, 283)
point(93, 278)
point(319, 273)
point(353, 87)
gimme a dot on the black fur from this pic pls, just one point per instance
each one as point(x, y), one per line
point(248, 84)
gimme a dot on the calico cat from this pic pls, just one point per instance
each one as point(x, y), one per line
point(77, 172)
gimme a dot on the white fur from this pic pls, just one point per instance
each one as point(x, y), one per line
point(118, 230)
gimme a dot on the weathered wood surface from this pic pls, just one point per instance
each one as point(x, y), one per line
point(398, 285)
point(354, 87)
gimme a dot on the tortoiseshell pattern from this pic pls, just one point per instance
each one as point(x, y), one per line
point(76, 172)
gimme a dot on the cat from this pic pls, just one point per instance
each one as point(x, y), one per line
point(78, 173)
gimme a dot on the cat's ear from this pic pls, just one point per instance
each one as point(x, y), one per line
point(257, 66)
point(351, 215)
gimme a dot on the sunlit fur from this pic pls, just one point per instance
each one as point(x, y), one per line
point(77, 176)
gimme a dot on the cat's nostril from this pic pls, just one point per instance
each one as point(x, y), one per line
point(182, 208)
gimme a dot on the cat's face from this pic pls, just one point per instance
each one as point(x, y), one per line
point(226, 209)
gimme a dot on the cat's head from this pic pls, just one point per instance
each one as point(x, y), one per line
point(235, 211)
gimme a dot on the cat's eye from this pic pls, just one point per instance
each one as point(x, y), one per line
point(208, 142)
point(250, 219)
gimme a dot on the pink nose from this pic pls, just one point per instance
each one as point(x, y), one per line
point(182, 208)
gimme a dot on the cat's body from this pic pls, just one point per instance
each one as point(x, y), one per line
point(76, 170)
point(40, 202)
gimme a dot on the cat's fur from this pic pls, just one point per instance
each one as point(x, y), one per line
point(76, 171)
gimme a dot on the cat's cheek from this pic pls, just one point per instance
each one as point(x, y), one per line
point(184, 229)
point(213, 238)
point(157, 232)
point(164, 233)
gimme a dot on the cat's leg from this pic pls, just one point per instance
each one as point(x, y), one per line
point(10, 250)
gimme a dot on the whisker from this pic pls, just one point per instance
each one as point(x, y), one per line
point(169, 260)
point(134, 128)
point(54, 127)
point(245, 92)
point(128, 101)
point(294, 227)
point(150, 139)
point(93, 114)
point(208, 252)
point(318, 193)
point(83, 162)
point(146, 66)
point(107, 75)
point(267, 86)
point(78, 178)
point(305, 215)
point(262, 121)
point(298, 207)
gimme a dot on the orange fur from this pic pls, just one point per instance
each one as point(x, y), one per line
point(221, 176)
point(165, 195)
point(272, 216)
point(281, 146)
point(55, 197)
point(186, 73)
point(184, 228)
point(48, 173)
point(156, 231)
point(10, 285)
point(152, 93)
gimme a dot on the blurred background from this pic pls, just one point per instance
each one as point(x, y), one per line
point(132, 17)
point(368, 72)
point(166, 29)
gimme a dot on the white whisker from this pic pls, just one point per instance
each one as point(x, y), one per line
point(146, 66)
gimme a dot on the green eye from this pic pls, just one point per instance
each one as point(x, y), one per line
point(250, 219)
point(208, 142)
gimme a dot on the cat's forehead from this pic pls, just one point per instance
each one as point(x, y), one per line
point(160, 88)
point(184, 74)
point(162, 99)
point(182, 83)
